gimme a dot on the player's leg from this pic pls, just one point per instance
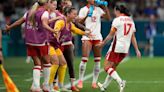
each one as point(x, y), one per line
point(62, 69)
point(55, 64)
point(36, 74)
point(69, 56)
point(86, 48)
point(97, 59)
point(46, 66)
point(110, 64)
point(32, 51)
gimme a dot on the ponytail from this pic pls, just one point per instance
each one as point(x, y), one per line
point(32, 11)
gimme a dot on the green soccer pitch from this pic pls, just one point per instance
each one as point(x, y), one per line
point(142, 75)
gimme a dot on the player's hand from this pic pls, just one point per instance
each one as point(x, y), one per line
point(138, 53)
point(7, 29)
point(100, 45)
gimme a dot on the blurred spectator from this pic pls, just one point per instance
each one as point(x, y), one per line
point(160, 10)
point(150, 32)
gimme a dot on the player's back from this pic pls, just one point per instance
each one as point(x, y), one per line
point(125, 27)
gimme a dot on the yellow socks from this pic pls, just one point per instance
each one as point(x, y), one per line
point(53, 72)
point(61, 74)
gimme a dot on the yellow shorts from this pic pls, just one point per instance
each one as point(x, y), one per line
point(52, 51)
point(58, 52)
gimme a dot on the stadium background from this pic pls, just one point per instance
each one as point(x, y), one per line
point(147, 73)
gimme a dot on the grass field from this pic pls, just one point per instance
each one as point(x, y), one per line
point(144, 75)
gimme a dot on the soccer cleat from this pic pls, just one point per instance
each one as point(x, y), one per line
point(46, 88)
point(94, 85)
point(75, 89)
point(52, 88)
point(35, 89)
point(101, 87)
point(56, 87)
point(80, 84)
point(122, 86)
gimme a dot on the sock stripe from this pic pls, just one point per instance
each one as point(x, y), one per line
point(110, 71)
point(47, 65)
point(97, 58)
point(37, 67)
point(84, 58)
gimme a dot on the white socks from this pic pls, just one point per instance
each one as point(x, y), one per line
point(96, 71)
point(36, 76)
point(82, 69)
point(114, 75)
point(107, 81)
point(46, 73)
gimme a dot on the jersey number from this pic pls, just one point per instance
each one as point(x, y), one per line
point(127, 28)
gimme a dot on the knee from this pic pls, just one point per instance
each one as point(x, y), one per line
point(106, 68)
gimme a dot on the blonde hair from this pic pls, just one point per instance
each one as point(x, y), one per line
point(33, 10)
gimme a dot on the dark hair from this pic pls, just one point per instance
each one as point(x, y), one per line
point(68, 10)
point(123, 9)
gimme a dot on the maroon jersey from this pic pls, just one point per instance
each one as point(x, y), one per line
point(36, 34)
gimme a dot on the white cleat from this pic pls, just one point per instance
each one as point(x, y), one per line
point(122, 86)
point(46, 88)
point(101, 87)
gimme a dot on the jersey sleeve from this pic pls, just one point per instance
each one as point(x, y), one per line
point(101, 12)
point(82, 13)
point(134, 28)
point(76, 30)
point(59, 25)
point(25, 15)
point(115, 23)
point(45, 15)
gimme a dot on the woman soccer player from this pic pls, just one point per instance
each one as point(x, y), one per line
point(91, 15)
point(36, 37)
point(65, 26)
point(68, 49)
point(123, 34)
point(57, 57)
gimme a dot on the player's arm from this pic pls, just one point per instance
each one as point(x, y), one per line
point(81, 26)
point(106, 15)
point(81, 20)
point(45, 21)
point(82, 16)
point(59, 25)
point(54, 19)
point(76, 30)
point(109, 37)
point(16, 23)
point(134, 42)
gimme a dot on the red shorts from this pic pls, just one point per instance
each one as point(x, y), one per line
point(94, 42)
point(115, 57)
point(37, 50)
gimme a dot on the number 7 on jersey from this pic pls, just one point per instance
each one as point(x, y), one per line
point(127, 28)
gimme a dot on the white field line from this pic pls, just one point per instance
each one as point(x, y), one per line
point(91, 75)
point(2, 88)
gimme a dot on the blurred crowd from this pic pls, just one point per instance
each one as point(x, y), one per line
point(140, 9)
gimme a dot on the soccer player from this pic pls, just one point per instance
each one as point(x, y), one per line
point(57, 57)
point(123, 34)
point(91, 15)
point(65, 27)
point(36, 37)
point(68, 49)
